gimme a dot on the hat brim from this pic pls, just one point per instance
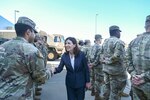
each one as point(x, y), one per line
point(35, 31)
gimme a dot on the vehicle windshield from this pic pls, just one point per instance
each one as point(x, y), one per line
point(59, 39)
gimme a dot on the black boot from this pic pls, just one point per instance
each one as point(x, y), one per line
point(92, 92)
point(97, 96)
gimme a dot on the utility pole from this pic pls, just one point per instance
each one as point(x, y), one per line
point(96, 23)
point(16, 11)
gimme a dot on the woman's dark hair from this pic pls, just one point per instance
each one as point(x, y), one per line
point(74, 41)
point(21, 29)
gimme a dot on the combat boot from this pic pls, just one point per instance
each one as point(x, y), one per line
point(38, 89)
point(37, 93)
point(92, 92)
point(97, 96)
point(37, 98)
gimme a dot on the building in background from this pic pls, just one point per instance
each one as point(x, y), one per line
point(6, 29)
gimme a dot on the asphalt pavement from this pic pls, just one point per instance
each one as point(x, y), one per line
point(54, 88)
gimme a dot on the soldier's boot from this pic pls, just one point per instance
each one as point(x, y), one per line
point(97, 96)
point(37, 98)
point(38, 89)
point(37, 93)
point(92, 92)
point(106, 96)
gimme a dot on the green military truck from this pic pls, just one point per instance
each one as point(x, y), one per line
point(55, 45)
point(55, 42)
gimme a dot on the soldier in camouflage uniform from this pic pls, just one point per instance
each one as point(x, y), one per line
point(86, 48)
point(40, 44)
point(96, 67)
point(138, 56)
point(113, 65)
point(21, 64)
point(80, 44)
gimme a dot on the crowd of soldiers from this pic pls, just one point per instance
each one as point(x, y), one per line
point(110, 64)
point(118, 73)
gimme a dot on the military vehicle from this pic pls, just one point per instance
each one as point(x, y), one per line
point(6, 35)
point(55, 44)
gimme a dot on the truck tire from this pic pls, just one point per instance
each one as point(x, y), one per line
point(52, 56)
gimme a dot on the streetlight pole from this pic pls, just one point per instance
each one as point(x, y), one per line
point(16, 11)
point(96, 23)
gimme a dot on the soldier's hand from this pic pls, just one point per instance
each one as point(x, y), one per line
point(48, 71)
point(88, 85)
point(90, 65)
point(138, 80)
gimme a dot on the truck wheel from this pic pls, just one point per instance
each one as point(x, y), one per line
point(52, 55)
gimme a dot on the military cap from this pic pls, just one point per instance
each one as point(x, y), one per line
point(147, 21)
point(87, 41)
point(114, 27)
point(98, 36)
point(147, 18)
point(81, 42)
point(28, 22)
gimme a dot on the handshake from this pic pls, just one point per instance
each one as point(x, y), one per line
point(52, 71)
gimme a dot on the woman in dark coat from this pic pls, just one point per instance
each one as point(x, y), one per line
point(77, 77)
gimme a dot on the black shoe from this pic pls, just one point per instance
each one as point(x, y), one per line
point(37, 93)
point(37, 98)
point(92, 93)
point(38, 89)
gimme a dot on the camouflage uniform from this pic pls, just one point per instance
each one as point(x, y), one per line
point(114, 70)
point(138, 56)
point(96, 71)
point(2, 40)
point(39, 43)
point(97, 67)
point(21, 65)
point(42, 48)
point(86, 49)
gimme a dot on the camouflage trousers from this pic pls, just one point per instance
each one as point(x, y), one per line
point(141, 92)
point(99, 79)
point(92, 77)
point(114, 85)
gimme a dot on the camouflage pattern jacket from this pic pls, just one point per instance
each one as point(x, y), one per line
point(43, 49)
point(21, 64)
point(138, 58)
point(86, 49)
point(113, 56)
point(94, 55)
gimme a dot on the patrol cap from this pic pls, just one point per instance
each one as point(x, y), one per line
point(27, 21)
point(147, 21)
point(147, 18)
point(114, 27)
point(87, 41)
point(98, 36)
